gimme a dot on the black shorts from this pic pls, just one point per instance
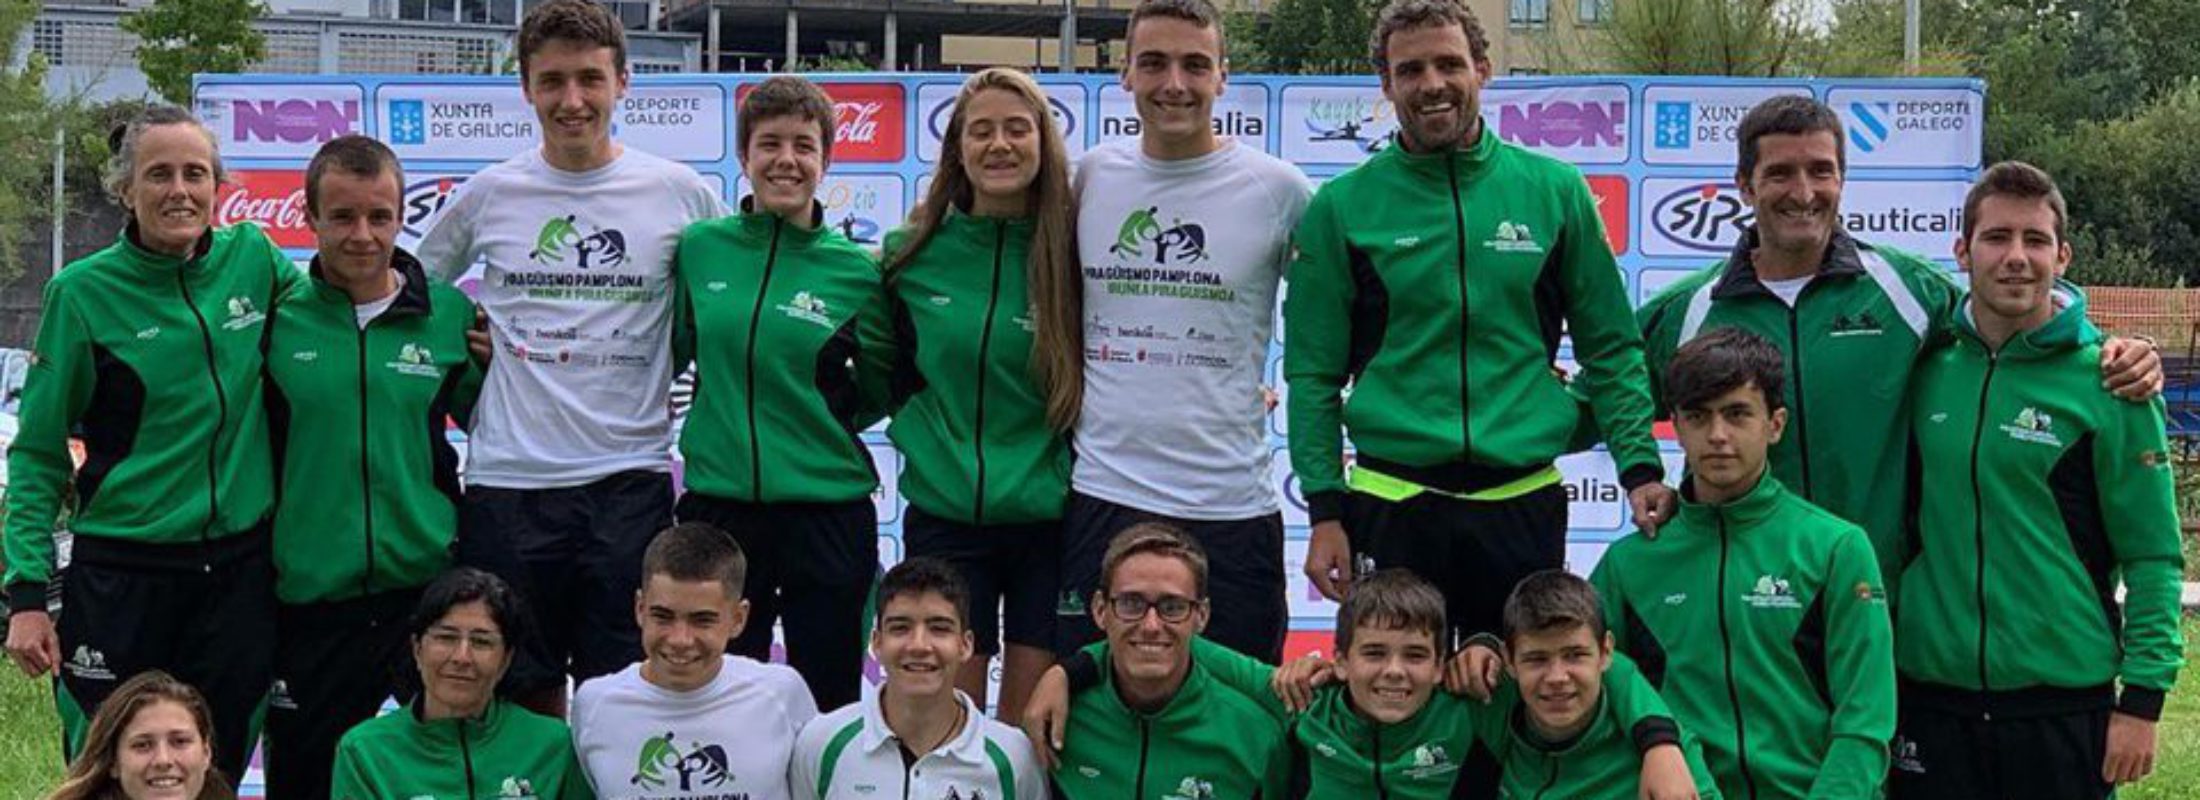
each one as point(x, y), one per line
point(334, 665)
point(574, 554)
point(2039, 743)
point(1013, 573)
point(1473, 551)
point(1244, 575)
point(202, 612)
point(811, 568)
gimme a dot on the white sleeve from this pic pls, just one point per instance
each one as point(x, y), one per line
point(1031, 780)
point(802, 763)
point(801, 707)
point(446, 251)
point(584, 704)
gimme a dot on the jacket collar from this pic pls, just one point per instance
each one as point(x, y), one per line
point(1600, 721)
point(761, 223)
point(2068, 329)
point(1740, 278)
point(956, 220)
point(1748, 509)
point(1470, 159)
point(447, 731)
point(412, 293)
point(150, 261)
point(1187, 707)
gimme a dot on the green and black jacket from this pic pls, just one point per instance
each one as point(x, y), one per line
point(358, 417)
point(1764, 623)
point(154, 361)
point(769, 311)
point(1209, 741)
point(1438, 287)
point(2045, 493)
point(1849, 344)
point(971, 417)
point(1602, 761)
point(506, 752)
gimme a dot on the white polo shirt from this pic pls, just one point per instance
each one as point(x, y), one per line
point(850, 754)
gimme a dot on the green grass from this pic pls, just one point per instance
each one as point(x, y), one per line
point(30, 753)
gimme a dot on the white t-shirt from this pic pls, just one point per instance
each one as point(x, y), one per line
point(1181, 262)
point(732, 738)
point(367, 311)
point(853, 748)
point(577, 287)
point(1788, 290)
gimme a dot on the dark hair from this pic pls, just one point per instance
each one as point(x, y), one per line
point(1553, 599)
point(1155, 539)
point(784, 96)
point(122, 145)
point(354, 155)
point(923, 575)
point(1405, 15)
point(577, 21)
point(697, 551)
point(1198, 12)
point(462, 585)
point(1720, 361)
point(1789, 114)
point(2019, 180)
point(91, 775)
point(1391, 598)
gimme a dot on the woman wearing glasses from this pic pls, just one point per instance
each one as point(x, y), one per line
point(458, 739)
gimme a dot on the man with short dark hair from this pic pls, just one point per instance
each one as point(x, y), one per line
point(366, 365)
point(1760, 617)
point(569, 467)
point(1184, 235)
point(690, 720)
point(2045, 494)
point(917, 736)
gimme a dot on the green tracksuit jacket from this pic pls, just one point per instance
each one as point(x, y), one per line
point(369, 479)
point(971, 418)
point(1210, 742)
point(508, 752)
point(768, 312)
point(155, 361)
point(1437, 287)
point(1849, 344)
point(2044, 493)
point(1764, 623)
point(1603, 761)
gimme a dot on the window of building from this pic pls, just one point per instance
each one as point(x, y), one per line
point(1530, 13)
point(1529, 71)
point(1594, 12)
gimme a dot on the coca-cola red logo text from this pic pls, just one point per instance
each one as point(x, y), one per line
point(868, 121)
point(275, 200)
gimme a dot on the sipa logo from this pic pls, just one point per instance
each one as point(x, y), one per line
point(292, 121)
point(423, 199)
point(273, 199)
point(1707, 217)
point(1564, 123)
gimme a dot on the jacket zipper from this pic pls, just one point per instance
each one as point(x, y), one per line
point(221, 406)
point(366, 475)
point(1548, 780)
point(466, 756)
point(985, 345)
point(1377, 763)
point(1459, 221)
point(1145, 739)
point(1726, 651)
point(763, 288)
point(1802, 420)
point(1978, 521)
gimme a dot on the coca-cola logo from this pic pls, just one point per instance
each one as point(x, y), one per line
point(868, 121)
point(274, 200)
point(856, 123)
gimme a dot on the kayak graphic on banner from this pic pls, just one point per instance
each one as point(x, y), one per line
point(1657, 153)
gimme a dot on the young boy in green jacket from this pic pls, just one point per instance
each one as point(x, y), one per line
point(1761, 617)
point(2046, 493)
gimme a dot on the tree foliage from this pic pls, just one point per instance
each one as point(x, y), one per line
point(1307, 37)
point(182, 38)
point(25, 154)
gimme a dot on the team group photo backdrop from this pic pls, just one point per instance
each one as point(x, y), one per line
point(1658, 154)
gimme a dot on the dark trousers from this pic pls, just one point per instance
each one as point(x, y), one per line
point(334, 665)
point(2034, 744)
point(811, 566)
point(1244, 575)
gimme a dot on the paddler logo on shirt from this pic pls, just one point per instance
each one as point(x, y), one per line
point(1430, 760)
point(704, 764)
point(1193, 788)
point(1186, 240)
point(516, 788)
point(808, 308)
point(605, 247)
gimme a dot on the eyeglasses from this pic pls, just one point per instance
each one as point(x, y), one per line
point(1133, 607)
point(447, 638)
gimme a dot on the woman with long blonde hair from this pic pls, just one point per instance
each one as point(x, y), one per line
point(153, 738)
point(983, 290)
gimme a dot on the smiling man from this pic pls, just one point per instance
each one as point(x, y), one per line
point(691, 721)
point(917, 736)
point(569, 467)
point(2045, 494)
point(1183, 235)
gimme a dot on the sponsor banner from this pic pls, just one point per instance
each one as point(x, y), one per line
point(682, 122)
point(936, 105)
point(1308, 607)
point(275, 200)
point(1610, 192)
point(862, 207)
point(1691, 217)
point(425, 196)
point(1594, 499)
point(1905, 127)
point(1334, 124)
point(1923, 217)
point(886, 499)
point(1582, 557)
point(279, 120)
point(1655, 281)
point(1310, 641)
point(1581, 124)
point(1694, 125)
point(1240, 113)
point(461, 122)
point(718, 184)
point(1287, 487)
point(868, 121)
